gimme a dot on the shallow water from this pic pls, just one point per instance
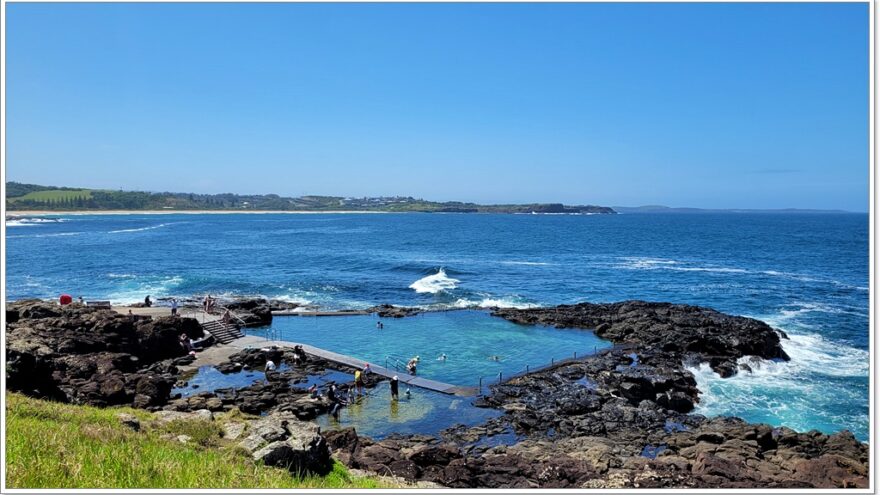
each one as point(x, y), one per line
point(423, 412)
point(468, 338)
point(806, 274)
point(208, 379)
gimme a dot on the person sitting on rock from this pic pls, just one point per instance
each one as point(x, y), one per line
point(185, 343)
point(270, 365)
point(227, 316)
point(313, 391)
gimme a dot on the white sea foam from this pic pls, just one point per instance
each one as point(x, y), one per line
point(433, 284)
point(29, 222)
point(640, 263)
point(57, 234)
point(490, 302)
point(792, 392)
point(637, 263)
point(138, 230)
point(134, 291)
point(121, 275)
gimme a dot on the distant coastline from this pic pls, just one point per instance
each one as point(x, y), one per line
point(28, 213)
point(37, 198)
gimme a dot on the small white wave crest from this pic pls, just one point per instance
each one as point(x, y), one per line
point(30, 222)
point(433, 284)
point(138, 230)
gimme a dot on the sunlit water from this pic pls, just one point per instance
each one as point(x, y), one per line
point(476, 344)
point(806, 274)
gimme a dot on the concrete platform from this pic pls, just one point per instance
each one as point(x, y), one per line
point(220, 353)
point(290, 312)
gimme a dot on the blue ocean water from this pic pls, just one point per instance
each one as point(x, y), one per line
point(805, 274)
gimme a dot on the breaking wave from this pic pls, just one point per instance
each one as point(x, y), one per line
point(434, 284)
point(799, 393)
point(29, 222)
point(490, 302)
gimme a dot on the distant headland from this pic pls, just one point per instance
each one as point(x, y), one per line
point(24, 197)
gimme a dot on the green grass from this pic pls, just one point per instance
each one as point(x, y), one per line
point(54, 195)
point(54, 445)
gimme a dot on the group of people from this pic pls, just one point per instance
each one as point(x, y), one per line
point(339, 398)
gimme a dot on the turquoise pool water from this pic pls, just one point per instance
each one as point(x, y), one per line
point(468, 338)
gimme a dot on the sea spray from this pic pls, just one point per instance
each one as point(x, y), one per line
point(433, 284)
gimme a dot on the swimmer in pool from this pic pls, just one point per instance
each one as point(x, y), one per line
point(442, 357)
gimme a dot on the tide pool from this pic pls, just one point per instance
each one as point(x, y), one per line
point(469, 339)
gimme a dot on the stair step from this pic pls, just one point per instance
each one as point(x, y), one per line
point(222, 332)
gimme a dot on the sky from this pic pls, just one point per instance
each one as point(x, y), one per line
point(704, 105)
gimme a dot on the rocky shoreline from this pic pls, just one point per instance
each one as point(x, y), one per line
point(619, 418)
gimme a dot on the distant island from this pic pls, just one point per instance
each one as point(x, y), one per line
point(23, 197)
point(666, 209)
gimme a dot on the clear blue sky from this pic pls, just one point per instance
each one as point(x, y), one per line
point(724, 105)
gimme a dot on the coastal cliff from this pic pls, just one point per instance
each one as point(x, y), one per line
point(619, 418)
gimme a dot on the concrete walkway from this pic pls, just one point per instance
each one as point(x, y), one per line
point(292, 312)
point(220, 353)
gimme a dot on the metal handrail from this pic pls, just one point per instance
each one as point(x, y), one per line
point(233, 314)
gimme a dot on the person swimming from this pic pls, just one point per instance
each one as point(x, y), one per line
point(442, 357)
point(494, 358)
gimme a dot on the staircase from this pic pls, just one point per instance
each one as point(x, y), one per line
point(222, 332)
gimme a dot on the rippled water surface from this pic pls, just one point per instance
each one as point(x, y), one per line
point(806, 274)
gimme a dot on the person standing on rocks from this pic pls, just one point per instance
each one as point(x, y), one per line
point(395, 384)
point(173, 306)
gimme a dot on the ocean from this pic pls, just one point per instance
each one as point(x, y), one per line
point(806, 274)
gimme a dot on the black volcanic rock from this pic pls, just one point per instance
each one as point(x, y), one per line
point(676, 329)
point(92, 356)
point(253, 312)
point(390, 311)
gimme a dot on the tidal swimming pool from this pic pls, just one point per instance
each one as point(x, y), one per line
point(469, 339)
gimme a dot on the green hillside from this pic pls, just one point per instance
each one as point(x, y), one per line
point(55, 195)
point(36, 197)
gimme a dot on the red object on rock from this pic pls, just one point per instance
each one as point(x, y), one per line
point(65, 299)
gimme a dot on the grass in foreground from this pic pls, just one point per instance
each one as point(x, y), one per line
point(54, 445)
